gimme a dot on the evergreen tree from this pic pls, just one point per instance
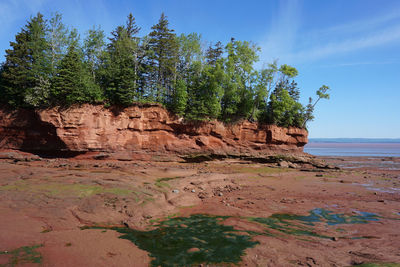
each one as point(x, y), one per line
point(73, 82)
point(26, 62)
point(164, 45)
point(214, 53)
point(119, 76)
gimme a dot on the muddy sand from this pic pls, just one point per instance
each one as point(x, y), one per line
point(81, 212)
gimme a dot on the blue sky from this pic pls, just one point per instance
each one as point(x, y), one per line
point(351, 46)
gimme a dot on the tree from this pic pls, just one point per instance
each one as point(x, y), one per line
point(119, 73)
point(322, 93)
point(189, 52)
point(214, 53)
point(26, 62)
point(284, 110)
point(57, 38)
point(164, 45)
point(179, 98)
point(93, 47)
point(237, 100)
point(73, 82)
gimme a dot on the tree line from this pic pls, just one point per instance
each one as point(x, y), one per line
point(48, 65)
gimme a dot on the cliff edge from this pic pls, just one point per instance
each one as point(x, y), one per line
point(144, 128)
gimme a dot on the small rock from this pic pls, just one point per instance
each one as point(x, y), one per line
point(193, 250)
point(176, 191)
point(292, 165)
point(220, 194)
point(202, 195)
point(319, 175)
point(335, 238)
point(193, 191)
point(381, 200)
point(283, 164)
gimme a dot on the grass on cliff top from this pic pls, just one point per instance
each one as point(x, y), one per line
point(22, 255)
point(57, 189)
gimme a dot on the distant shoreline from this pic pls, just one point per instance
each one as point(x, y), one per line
point(354, 140)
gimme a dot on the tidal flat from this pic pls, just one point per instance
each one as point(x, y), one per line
point(84, 212)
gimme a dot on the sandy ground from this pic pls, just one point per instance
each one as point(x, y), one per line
point(44, 203)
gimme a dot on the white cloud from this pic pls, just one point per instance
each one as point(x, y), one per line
point(375, 39)
point(286, 42)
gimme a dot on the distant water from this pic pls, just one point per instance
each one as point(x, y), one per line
point(369, 149)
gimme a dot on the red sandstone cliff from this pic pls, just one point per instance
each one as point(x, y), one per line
point(148, 128)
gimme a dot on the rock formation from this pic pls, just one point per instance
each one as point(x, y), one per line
point(148, 128)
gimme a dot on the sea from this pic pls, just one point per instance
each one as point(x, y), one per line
point(353, 147)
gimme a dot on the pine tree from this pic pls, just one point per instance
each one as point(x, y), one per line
point(119, 77)
point(214, 53)
point(163, 43)
point(73, 83)
point(26, 62)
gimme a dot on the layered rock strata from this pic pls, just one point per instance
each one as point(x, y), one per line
point(139, 128)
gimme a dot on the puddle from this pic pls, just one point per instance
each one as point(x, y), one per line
point(185, 241)
point(390, 190)
point(302, 225)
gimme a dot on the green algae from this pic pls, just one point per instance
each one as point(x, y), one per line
point(23, 255)
point(56, 189)
point(185, 241)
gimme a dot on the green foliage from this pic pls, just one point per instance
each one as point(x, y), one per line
point(73, 83)
point(58, 41)
point(164, 59)
point(322, 93)
point(47, 65)
point(179, 98)
point(26, 62)
point(93, 48)
point(119, 74)
point(284, 110)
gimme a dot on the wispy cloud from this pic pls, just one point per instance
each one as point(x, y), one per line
point(12, 11)
point(287, 42)
point(283, 30)
point(350, 44)
point(352, 64)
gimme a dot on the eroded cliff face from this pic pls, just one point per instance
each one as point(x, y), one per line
point(147, 128)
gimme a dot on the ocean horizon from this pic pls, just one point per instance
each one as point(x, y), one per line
point(370, 147)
